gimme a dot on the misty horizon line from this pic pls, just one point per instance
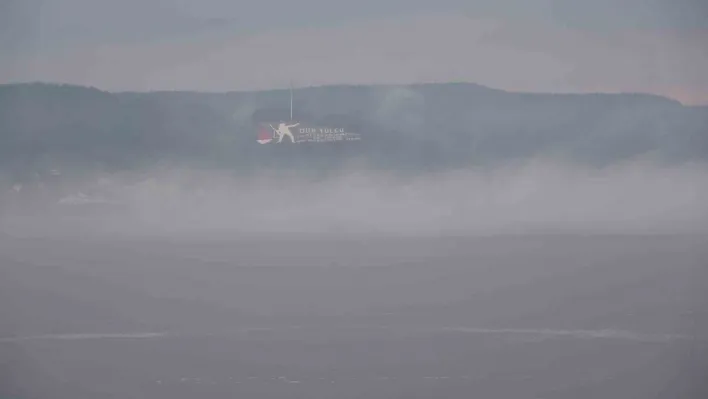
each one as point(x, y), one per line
point(355, 85)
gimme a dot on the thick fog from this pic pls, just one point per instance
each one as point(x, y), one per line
point(541, 195)
point(473, 242)
point(468, 242)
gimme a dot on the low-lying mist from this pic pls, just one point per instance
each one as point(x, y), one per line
point(537, 196)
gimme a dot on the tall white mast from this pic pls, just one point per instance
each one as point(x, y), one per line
point(291, 101)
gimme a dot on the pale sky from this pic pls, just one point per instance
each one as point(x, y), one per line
point(654, 46)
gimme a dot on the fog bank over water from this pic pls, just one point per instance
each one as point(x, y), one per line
point(537, 196)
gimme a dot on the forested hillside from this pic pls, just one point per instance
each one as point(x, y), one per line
point(415, 127)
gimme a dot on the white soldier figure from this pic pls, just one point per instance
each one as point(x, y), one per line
point(284, 130)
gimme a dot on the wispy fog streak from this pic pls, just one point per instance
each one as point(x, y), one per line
point(538, 196)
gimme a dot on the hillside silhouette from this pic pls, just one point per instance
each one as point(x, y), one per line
point(414, 127)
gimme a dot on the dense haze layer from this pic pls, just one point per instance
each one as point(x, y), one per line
point(466, 241)
point(541, 195)
point(433, 158)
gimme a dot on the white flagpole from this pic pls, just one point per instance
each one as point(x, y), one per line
point(291, 101)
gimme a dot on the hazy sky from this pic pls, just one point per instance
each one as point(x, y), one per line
point(658, 46)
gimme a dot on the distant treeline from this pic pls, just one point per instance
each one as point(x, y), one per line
point(416, 127)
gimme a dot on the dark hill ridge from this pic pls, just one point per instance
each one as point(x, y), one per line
point(412, 127)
